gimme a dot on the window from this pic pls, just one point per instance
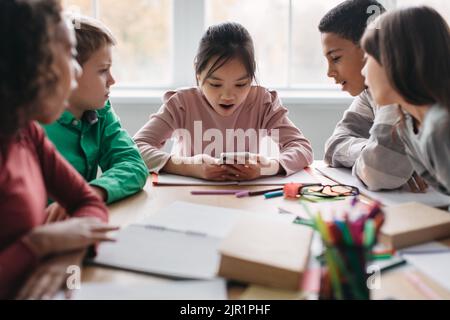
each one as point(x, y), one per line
point(270, 32)
point(143, 30)
point(442, 6)
point(308, 65)
point(157, 39)
point(287, 42)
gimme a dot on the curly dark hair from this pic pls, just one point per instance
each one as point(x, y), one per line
point(26, 33)
point(349, 19)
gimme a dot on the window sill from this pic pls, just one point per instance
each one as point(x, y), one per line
point(316, 97)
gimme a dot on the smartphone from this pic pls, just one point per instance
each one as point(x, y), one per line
point(235, 157)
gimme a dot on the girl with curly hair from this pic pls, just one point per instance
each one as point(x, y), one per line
point(37, 73)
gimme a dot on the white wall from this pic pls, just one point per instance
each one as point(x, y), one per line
point(316, 121)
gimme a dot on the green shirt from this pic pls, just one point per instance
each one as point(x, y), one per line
point(100, 142)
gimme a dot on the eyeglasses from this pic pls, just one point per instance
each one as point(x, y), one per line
point(329, 191)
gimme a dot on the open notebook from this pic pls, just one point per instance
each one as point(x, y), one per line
point(303, 176)
point(152, 249)
point(179, 241)
point(431, 198)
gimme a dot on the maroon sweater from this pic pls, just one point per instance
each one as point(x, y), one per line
point(31, 171)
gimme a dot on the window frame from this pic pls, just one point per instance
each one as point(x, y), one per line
point(188, 19)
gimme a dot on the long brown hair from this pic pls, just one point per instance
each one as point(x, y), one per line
point(413, 46)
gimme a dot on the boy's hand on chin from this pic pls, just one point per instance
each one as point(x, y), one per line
point(416, 184)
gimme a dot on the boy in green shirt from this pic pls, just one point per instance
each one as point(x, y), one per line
point(89, 134)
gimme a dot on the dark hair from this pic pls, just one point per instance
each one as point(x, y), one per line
point(225, 41)
point(91, 35)
point(26, 32)
point(413, 46)
point(350, 18)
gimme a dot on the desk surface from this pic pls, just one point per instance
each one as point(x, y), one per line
point(394, 283)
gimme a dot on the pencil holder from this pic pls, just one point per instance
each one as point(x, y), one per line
point(348, 245)
point(344, 273)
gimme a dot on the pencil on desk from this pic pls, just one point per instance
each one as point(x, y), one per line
point(273, 194)
point(247, 193)
point(305, 222)
point(216, 192)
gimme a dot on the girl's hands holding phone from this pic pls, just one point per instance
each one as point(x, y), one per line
point(230, 167)
point(254, 167)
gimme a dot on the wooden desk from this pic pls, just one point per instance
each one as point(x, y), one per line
point(152, 199)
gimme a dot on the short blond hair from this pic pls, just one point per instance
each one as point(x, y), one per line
point(91, 35)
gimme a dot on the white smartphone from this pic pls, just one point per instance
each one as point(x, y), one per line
point(235, 157)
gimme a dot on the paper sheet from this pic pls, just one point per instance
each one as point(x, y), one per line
point(186, 216)
point(435, 265)
point(162, 252)
point(299, 177)
point(210, 220)
point(344, 176)
point(167, 290)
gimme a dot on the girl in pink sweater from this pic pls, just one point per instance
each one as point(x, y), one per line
point(224, 113)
